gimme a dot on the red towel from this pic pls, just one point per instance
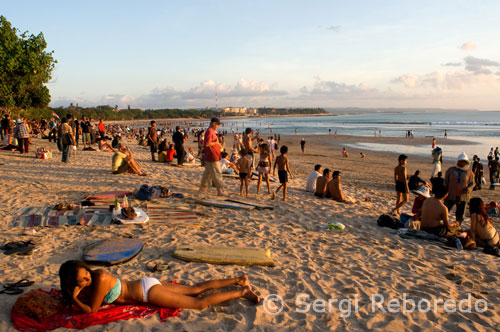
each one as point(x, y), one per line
point(72, 319)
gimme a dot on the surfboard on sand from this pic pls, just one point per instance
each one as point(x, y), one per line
point(109, 194)
point(224, 204)
point(141, 217)
point(224, 255)
point(234, 176)
point(271, 178)
point(257, 205)
point(112, 251)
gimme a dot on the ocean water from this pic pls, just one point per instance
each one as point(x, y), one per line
point(480, 128)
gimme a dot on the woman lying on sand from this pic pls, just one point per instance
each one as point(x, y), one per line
point(98, 286)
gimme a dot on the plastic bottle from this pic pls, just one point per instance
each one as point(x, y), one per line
point(116, 202)
point(125, 201)
point(458, 244)
point(336, 226)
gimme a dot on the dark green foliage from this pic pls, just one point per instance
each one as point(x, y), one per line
point(24, 68)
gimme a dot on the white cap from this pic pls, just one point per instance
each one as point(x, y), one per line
point(463, 157)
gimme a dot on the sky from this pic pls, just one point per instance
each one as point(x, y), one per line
point(181, 54)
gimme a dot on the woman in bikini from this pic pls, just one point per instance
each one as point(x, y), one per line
point(89, 289)
point(482, 230)
point(264, 166)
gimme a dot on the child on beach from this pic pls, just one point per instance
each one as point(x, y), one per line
point(264, 166)
point(283, 170)
point(243, 165)
point(402, 190)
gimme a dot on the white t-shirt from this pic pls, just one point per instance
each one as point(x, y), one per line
point(311, 181)
point(224, 163)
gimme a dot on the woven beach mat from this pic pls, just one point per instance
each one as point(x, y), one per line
point(172, 214)
point(45, 216)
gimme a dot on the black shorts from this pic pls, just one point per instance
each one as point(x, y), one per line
point(122, 169)
point(283, 176)
point(243, 175)
point(154, 147)
point(439, 230)
point(401, 187)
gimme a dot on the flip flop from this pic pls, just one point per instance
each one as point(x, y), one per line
point(158, 268)
point(11, 291)
point(20, 283)
point(17, 244)
point(20, 251)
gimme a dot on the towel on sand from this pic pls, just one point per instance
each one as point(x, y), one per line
point(24, 320)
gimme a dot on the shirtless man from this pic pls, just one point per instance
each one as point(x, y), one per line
point(322, 182)
point(434, 218)
point(247, 144)
point(335, 188)
point(402, 190)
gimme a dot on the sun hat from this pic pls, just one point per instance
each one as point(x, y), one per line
point(463, 157)
point(423, 190)
point(19, 121)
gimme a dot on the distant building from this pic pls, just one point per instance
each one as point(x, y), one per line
point(235, 110)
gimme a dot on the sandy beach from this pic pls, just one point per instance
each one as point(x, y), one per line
point(351, 266)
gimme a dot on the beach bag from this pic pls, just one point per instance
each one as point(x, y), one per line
point(386, 220)
point(147, 193)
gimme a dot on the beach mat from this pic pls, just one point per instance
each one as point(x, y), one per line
point(109, 194)
point(173, 214)
point(224, 255)
point(224, 204)
point(46, 216)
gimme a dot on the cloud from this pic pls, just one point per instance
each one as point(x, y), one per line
point(478, 66)
point(470, 45)
point(453, 64)
point(408, 80)
point(242, 92)
point(334, 28)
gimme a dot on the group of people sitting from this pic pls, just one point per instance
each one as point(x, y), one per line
point(327, 184)
point(431, 213)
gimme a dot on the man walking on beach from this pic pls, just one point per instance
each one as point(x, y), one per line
point(459, 181)
point(212, 150)
point(402, 190)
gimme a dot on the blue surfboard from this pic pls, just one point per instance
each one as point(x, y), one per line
point(112, 251)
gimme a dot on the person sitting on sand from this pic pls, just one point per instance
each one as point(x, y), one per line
point(189, 156)
point(104, 145)
point(322, 182)
point(227, 167)
point(362, 155)
point(435, 214)
point(482, 230)
point(89, 289)
point(416, 181)
point(123, 161)
point(311, 178)
point(169, 156)
point(438, 180)
point(345, 154)
point(334, 189)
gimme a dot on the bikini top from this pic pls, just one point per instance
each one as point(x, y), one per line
point(113, 293)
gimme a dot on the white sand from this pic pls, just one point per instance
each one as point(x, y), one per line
point(362, 261)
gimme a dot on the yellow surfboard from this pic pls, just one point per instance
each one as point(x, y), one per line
point(224, 255)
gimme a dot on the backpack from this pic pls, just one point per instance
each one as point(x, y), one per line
point(147, 193)
point(386, 220)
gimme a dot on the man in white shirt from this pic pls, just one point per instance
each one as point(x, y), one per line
point(311, 178)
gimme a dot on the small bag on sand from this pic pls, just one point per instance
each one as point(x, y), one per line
point(38, 304)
